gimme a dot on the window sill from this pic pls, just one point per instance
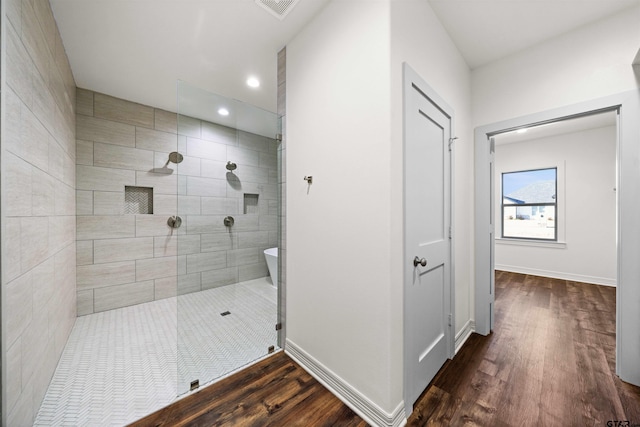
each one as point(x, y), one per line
point(533, 243)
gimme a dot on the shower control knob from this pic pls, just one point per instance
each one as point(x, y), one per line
point(417, 261)
point(174, 221)
point(229, 221)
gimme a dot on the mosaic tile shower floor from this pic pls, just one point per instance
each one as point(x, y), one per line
point(123, 364)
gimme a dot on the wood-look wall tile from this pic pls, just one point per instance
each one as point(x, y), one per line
point(34, 241)
point(47, 23)
point(18, 296)
point(252, 271)
point(253, 239)
point(207, 187)
point(206, 261)
point(34, 40)
point(216, 278)
point(84, 302)
point(155, 140)
point(243, 156)
point(220, 206)
point(154, 225)
point(156, 268)
point(188, 126)
point(84, 102)
point(165, 204)
point(84, 252)
point(108, 203)
point(18, 187)
point(103, 179)
point(120, 110)
point(189, 244)
point(118, 157)
point(203, 149)
point(122, 295)
point(11, 245)
point(64, 199)
point(84, 202)
point(251, 141)
point(62, 232)
point(105, 227)
point(13, 382)
point(238, 257)
point(20, 68)
point(213, 242)
point(218, 133)
point(199, 224)
point(188, 283)
point(165, 287)
point(165, 121)
point(109, 132)
point(161, 183)
point(114, 250)
point(43, 195)
point(214, 169)
point(101, 275)
point(34, 141)
point(165, 246)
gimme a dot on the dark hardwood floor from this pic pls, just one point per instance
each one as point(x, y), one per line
point(549, 362)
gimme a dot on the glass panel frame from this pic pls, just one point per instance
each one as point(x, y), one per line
point(230, 159)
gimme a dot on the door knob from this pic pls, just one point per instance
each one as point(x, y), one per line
point(417, 261)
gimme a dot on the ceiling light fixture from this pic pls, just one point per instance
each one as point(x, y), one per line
point(253, 82)
point(223, 111)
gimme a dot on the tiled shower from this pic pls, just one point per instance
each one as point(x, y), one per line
point(87, 195)
point(131, 258)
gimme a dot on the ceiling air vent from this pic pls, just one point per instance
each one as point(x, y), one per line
point(278, 8)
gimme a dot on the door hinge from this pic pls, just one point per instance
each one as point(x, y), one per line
point(278, 326)
point(449, 319)
point(451, 141)
point(450, 233)
point(279, 137)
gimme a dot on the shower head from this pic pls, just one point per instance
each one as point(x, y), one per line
point(175, 157)
point(231, 166)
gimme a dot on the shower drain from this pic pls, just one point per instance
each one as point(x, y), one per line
point(226, 313)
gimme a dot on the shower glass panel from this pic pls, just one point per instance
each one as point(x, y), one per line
point(228, 206)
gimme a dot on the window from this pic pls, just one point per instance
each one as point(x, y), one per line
point(529, 205)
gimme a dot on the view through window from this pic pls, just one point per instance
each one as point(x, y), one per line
point(529, 204)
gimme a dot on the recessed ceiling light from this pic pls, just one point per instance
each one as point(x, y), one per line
point(253, 82)
point(521, 131)
point(223, 111)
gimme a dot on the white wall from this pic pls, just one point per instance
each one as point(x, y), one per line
point(418, 38)
point(339, 281)
point(586, 219)
point(344, 232)
point(584, 65)
point(591, 62)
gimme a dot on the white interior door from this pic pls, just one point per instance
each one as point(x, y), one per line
point(427, 239)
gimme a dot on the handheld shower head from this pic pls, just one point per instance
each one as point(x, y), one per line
point(231, 166)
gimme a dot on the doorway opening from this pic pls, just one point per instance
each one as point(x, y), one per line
point(627, 105)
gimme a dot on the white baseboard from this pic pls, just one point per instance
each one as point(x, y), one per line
point(605, 281)
point(464, 334)
point(360, 404)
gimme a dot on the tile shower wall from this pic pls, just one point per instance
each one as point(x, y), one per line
point(38, 206)
point(125, 259)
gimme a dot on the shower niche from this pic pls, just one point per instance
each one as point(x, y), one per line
point(138, 200)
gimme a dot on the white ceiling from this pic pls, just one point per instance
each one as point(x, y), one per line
point(138, 49)
point(487, 30)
